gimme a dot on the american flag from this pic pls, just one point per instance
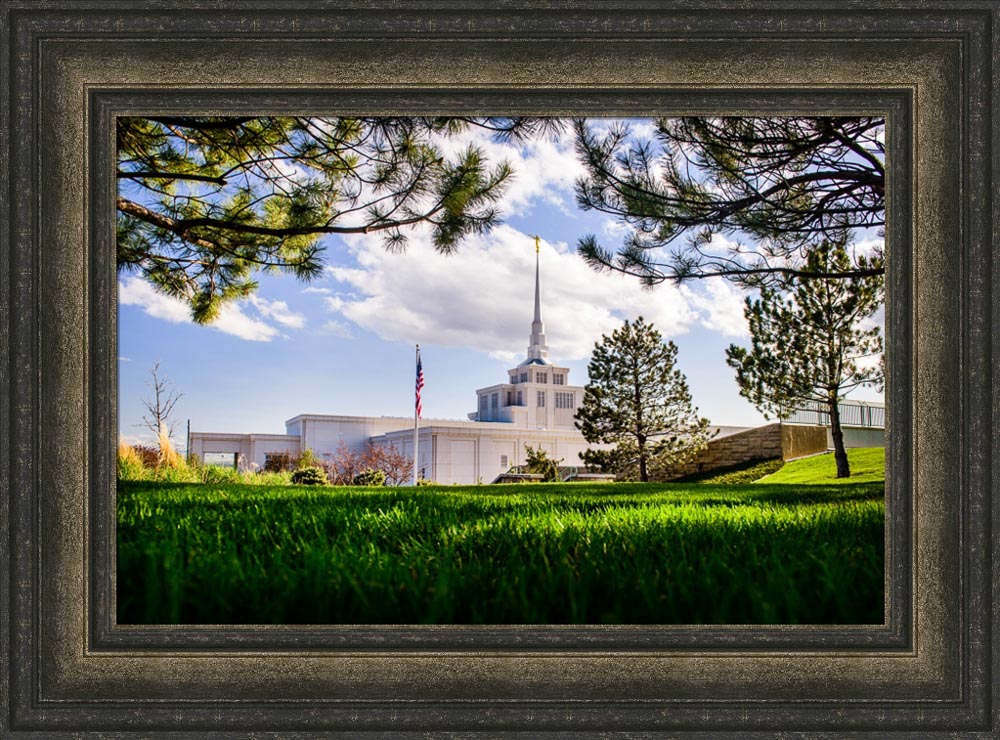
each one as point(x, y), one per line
point(420, 383)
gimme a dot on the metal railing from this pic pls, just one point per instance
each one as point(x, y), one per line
point(565, 471)
point(851, 415)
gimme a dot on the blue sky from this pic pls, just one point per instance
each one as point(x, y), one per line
point(344, 344)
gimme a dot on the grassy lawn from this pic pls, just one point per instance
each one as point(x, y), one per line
point(544, 553)
point(867, 466)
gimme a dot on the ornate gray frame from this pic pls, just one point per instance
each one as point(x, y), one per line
point(68, 68)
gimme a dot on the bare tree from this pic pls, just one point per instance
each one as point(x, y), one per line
point(160, 408)
point(347, 464)
point(397, 467)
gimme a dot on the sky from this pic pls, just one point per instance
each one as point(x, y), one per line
point(345, 342)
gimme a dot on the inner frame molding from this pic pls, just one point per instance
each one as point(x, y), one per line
point(106, 105)
point(70, 69)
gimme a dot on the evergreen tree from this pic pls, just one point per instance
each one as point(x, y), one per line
point(539, 463)
point(204, 203)
point(809, 344)
point(637, 400)
point(784, 182)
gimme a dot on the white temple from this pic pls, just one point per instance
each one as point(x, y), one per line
point(535, 406)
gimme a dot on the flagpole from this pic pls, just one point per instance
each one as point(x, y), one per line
point(416, 423)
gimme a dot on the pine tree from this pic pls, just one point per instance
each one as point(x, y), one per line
point(785, 183)
point(206, 203)
point(639, 401)
point(809, 342)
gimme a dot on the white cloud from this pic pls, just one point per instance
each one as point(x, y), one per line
point(233, 321)
point(320, 291)
point(145, 438)
point(545, 168)
point(134, 291)
point(337, 329)
point(482, 297)
point(334, 303)
point(868, 247)
point(278, 311)
point(615, 229)
point(721, 305)
point(643, 130)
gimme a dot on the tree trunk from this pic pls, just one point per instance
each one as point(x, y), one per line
point(643, 472)
point(839, 452)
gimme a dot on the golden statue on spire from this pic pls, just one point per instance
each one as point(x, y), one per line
point(537, 247)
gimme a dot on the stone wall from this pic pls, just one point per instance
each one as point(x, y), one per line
point(761, 443)
point(859, 437)
point(799, 440)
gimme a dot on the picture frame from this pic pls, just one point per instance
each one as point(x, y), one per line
point(69, 68)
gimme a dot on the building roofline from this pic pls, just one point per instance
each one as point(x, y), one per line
point(256, 435)
point(487, 427)
point(350, 417)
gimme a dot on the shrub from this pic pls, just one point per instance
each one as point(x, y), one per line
point(140, 462)
point(266, 478)
point(427, 482)
point(308, 459)
point(309, 477)
point(370, 478)
point(539, 463)
point(130, 465)
point(177, 474)
point(278, 462)
point(168, 457)
point(215, 475)
point(149, 456)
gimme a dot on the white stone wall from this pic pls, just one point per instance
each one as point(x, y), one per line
point(253, 447)
point(323, 434)
point(470, 452)
point(858, 437)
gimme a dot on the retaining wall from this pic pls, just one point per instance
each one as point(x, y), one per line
point(761, 443)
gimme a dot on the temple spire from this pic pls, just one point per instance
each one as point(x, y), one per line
point(538, 299)
point(537, 349)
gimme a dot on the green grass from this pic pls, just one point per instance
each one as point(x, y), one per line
point(747, 472)
point(867, 466)
point(548, 553)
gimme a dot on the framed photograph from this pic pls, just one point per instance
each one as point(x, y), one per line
point(665, 495)
point(97, 95)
